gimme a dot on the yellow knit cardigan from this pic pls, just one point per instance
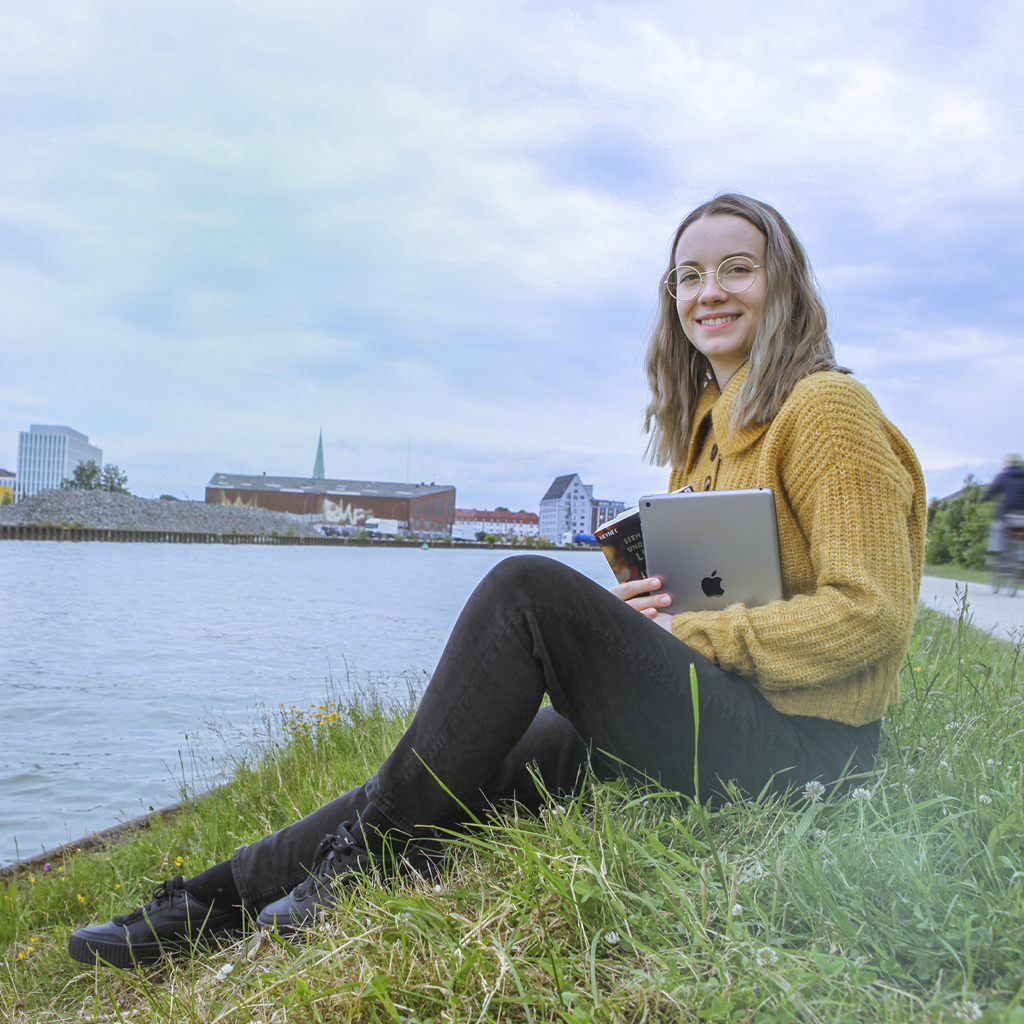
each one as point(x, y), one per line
point(851, 509)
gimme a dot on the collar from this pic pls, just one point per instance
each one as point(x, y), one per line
point(720, 405)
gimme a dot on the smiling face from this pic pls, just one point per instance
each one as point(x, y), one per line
point(718, 323)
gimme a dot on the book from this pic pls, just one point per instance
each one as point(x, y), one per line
point(622, 542)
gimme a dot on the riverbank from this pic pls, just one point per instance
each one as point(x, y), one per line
point(105, 511)
point(899, 904)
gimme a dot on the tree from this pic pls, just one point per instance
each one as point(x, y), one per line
point(958, 527)
point(89, 477)
point(86, 477)
point(113, 480)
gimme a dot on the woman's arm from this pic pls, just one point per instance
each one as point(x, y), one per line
point(851, 514)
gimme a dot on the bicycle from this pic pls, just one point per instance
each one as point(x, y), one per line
point(1008, 564)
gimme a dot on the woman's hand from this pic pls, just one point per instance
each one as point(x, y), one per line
point(648, 605)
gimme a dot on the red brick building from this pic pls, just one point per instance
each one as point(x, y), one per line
point(427, 509)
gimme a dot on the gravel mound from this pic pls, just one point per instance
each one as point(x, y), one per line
point(126, 512)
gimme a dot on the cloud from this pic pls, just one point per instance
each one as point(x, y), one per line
point(439, 230)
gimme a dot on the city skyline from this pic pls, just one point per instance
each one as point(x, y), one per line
point(439, 232)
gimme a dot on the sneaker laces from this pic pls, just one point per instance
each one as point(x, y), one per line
point(163, 894)
point(332, 850)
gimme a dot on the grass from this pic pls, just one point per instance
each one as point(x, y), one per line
point(902, 902)
point(959, 572)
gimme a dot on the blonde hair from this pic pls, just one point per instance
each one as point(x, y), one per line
point(791, 341)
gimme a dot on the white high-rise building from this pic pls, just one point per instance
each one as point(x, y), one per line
point(565, 509)
point(569, 507)
point(48, 455)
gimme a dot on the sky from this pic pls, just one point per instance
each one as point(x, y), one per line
point(436, 231)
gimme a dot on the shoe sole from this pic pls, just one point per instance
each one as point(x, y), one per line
point(287, 927)
point(140, 954)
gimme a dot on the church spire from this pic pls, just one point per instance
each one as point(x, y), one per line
point(318, 469)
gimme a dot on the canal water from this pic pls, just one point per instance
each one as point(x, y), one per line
point(127, 670)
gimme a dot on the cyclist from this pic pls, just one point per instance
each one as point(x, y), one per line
point(1009, 484)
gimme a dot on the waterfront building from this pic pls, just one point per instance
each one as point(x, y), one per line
point(569, 507)
point(602, 511)
point(565, 508)
point(8, 480)
point(427, 510)
point(501, 522)
point(48, 455)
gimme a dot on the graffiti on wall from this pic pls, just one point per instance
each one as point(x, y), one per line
point(247, 502)
point(340, 512)
point(343, 512)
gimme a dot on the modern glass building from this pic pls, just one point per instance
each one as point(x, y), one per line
point(47, 455)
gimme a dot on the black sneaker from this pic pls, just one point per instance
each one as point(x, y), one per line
point(339, 860)
point(173, 920)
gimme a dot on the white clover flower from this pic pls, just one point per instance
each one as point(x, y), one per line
point(766, 957)
point(224, 971)
point(862, 795)
point(911, 771)
point(737, 909)
point(820, 833)
point(814, 791)
point(968, 1010)
point(943, 764)
point(991, 762)
point(612, 938)
point(984, 798)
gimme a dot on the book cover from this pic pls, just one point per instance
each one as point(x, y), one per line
point(623, 545)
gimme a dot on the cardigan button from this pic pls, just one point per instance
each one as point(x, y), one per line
point(714, 452)
point(707, 484)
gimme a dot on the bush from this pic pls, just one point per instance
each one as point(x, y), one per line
point(958, 527)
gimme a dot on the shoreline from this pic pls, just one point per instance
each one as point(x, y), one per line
point(107, 836)
point(79, 534)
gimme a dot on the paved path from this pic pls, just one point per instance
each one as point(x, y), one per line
point(997, 614)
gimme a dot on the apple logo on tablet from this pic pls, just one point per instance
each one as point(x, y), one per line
point(712, 585)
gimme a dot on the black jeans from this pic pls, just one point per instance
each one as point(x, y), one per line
point(620, 698)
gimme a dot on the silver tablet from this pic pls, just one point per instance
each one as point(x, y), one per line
point(711, 549)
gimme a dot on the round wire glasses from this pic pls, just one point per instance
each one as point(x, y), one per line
point(735, 274)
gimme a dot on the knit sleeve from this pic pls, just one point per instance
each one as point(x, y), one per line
point(843, 474)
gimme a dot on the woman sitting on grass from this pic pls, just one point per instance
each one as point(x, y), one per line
point(745, 393)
